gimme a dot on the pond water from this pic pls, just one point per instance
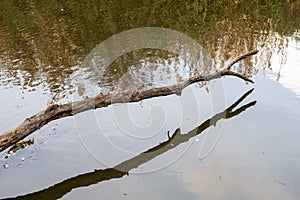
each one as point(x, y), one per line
point(192, 146)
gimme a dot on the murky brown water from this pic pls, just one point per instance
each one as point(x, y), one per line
point(51, 49)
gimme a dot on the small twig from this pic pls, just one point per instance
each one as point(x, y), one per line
point(240, 76)
point(237, 59)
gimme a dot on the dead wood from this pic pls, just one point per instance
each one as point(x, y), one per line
point(56, 111)
point(59, 190)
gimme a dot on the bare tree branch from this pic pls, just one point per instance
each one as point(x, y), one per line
point(59, 190)
point(54, 111)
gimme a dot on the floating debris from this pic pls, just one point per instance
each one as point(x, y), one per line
point(141, 104)
point(280, 182)
point(19, 145)
point(6, 165)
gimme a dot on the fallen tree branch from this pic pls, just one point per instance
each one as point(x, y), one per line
point(59, 190)
point(54, 111)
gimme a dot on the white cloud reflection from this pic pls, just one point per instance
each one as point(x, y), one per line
point(289, 72)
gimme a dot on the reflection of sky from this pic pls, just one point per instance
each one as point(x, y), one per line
point(219, 182)
point(290, 71)
point(258, 155)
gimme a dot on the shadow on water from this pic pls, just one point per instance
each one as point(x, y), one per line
point(60, 189)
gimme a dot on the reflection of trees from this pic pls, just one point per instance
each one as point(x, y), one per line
point(46, 40)
point(149, 68)
point(60, 189)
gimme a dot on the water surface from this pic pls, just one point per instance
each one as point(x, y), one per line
point(127, 150)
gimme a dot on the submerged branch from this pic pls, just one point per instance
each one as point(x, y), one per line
point(55, 111)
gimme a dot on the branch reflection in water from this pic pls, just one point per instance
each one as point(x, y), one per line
point(60, 189)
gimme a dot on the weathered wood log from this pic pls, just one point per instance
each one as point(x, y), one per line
point(55, 111)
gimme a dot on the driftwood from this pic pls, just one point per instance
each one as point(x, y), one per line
point(55, 111)
point(59, 190)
